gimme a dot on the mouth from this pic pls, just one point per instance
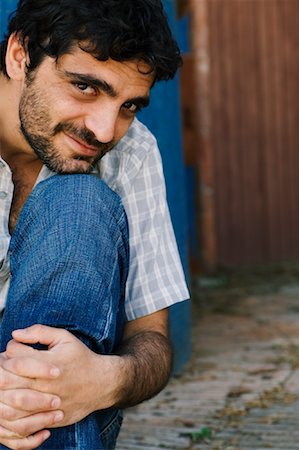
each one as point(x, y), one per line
point(82, 148)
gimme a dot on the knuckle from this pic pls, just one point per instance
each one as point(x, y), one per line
point(12, 398)
point(15, 364)
point(7, 413)
point(64, 333)
point(12, 366)
point(37, 328)
point(19, 399)
point(22, 399)
point(10, 348)
point(3, 379)
point(21, 429)
point(10, 430)
point(14, 427)
point(37, 400)
point(15, 398)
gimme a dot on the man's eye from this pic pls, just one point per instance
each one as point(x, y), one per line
point(85, 88)
point(132, 107)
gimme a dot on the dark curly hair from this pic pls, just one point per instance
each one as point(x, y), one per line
point(119, 29)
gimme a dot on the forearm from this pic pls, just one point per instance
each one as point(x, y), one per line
point(145, 366)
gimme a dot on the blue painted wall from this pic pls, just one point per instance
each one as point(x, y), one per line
point(6, 6)
point(163, 119)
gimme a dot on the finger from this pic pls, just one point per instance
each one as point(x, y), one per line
point(29, 400)
point(9, 380)
point(7, 434)
point(9, 413)
point(40, 334)
point(27, 443)
point(15, 348)
point(3, 357)
point(29, 425)
point(31, 368)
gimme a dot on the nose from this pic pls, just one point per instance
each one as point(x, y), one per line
point(102, 123)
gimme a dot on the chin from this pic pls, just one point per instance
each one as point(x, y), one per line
point(69, 166)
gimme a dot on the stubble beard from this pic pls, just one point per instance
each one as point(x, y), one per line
point(35, 123)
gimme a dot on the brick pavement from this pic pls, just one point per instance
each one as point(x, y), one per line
point(240, 390)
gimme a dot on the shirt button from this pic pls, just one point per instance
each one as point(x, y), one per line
point(3, 195)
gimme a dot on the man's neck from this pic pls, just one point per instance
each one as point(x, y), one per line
point(24, 176)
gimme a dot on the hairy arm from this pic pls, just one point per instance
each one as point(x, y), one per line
point(147, 358)
point(139, 370)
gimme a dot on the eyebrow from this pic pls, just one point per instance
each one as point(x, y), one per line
point(141, 101)
point(89, 79)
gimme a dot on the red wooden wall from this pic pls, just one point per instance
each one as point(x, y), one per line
point(245, 128)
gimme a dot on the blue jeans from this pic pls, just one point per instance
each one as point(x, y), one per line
point(69, 259)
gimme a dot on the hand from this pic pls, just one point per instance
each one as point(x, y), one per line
point(83, 373)
point(17, 442)
point(87, 382)
point(18, 427)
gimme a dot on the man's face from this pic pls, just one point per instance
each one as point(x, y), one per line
point(74, 111)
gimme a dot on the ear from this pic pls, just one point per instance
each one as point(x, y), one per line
point(16, 58)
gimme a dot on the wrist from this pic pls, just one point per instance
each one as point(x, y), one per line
point(110, 372)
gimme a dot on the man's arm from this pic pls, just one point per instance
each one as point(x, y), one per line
point(145, 349)
point(86, 381)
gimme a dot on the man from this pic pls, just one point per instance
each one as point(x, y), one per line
point(73, 76)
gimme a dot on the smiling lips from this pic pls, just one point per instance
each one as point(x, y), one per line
point(84, 149)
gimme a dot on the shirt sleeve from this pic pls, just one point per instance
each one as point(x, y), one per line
point(156, 278)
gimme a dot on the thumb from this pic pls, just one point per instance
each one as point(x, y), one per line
point(40, 334)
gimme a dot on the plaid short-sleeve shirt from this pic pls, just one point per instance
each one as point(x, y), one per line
point(133, 169)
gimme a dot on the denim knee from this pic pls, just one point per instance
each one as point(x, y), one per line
point(72, 204)
point(86, 192)
point(69, 260)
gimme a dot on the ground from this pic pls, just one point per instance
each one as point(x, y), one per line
point(240, 391)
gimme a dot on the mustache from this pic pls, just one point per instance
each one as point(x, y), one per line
point(85, 135)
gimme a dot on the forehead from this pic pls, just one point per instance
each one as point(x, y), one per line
point(133, 74)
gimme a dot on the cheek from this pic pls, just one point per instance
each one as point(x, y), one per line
point(66, 108)
point(70, 111)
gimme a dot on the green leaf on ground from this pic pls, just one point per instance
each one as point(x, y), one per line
point(201, 435)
